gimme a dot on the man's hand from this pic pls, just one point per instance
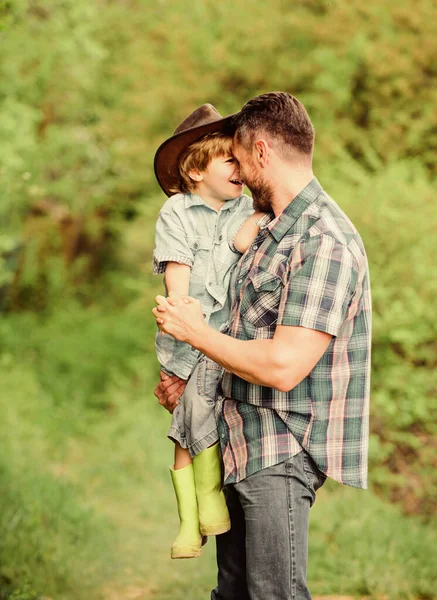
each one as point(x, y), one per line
point(169, 390)
point(182, 318)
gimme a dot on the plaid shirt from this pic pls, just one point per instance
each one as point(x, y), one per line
point(307, 268)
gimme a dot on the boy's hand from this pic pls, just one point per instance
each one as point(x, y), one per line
point(171, 294)
point(169, 390)
point(182, 318)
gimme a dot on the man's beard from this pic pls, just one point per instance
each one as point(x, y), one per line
point(262, 193)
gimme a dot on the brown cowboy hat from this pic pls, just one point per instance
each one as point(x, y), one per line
point(205, 119)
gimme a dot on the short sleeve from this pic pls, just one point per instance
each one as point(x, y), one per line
point(171, 243)
point(320, 287)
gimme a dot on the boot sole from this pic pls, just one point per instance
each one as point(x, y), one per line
point(216, 529)
point(186, 554)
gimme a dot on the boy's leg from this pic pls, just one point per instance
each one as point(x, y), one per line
point(202, 441)
point(199, 404)
point(182, 457)
point(213, 512)
point(188, 542)
point(194, 429)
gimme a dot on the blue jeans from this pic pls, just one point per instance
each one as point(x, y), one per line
point(264, 555)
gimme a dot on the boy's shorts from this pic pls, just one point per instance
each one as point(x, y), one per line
point(193, 422)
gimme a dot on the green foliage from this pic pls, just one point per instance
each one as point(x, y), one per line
point(89, 90)
point(361, 546)
point(49, 532)
point(23, 593)
point(130, 74)
point(77, 357)
point(394, 211)
point(86, 504)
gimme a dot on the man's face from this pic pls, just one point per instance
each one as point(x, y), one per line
point(252, 175)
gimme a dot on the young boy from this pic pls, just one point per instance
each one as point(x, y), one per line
point(201, 232)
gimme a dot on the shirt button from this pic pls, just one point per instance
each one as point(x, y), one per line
point(255, 247)
point(196, 245)
point(240, 281)
point(220, 238)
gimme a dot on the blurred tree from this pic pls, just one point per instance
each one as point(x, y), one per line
point(84, 106)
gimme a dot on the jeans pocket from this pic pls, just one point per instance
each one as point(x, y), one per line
point(209, 375)
point(314, 476)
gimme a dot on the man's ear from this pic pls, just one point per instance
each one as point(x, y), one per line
point(261, 152)
point(196, 175)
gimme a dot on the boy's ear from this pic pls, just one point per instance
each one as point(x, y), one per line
point(196, 175)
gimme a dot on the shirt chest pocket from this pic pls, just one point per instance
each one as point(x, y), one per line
point(200, 247)
point(262, 293)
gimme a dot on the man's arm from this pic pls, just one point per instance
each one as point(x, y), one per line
point(281, 363)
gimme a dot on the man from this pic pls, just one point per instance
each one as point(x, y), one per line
point(293, 407)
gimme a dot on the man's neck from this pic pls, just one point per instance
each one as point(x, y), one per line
point(287, 183)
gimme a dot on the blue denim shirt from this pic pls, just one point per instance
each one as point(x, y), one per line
point(190, 232)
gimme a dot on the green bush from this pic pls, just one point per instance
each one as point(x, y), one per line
point(77, 355)
point(394, 211)
point(48, 531)
point(90, 89)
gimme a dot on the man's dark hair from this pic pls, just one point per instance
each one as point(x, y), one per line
point(282, 117)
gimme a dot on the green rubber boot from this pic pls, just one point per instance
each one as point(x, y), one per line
point(188, 542)
point(213, 512)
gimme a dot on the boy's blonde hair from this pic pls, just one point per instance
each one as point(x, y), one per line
point(198, 155)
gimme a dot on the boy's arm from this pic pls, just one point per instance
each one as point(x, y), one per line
point(247, 232)
point(173, 257)
point(171, 243)
point(177, 282)
point(169, 389)
point(177, 279)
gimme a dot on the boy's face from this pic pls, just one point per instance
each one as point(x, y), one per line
point(221, 179)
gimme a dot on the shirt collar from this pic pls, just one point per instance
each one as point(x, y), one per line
point(196, 200)
point(193, 200)
point(278, 226)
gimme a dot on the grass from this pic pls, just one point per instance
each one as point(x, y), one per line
point(87, 510)
point(49, 533)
